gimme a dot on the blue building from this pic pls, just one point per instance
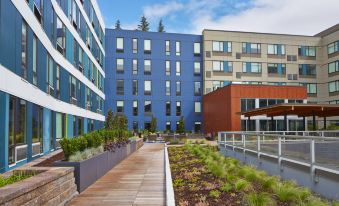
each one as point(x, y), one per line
point(51, 75)
point(152, 74)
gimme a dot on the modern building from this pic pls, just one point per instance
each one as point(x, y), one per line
point(222, 108)
point(152, 74)
point(51, 75)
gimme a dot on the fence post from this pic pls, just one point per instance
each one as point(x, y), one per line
point(219, 137)
point(258, 142)
point(244, 145)
point(312, 159)
point(225, 139)
point(279, 154)
point(233, 141)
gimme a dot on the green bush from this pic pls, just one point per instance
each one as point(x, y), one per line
point(261, 199)
point(16, 177)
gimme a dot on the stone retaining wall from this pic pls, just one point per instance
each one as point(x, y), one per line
point(52, 186)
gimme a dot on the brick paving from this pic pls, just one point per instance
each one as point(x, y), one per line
point(138, 180)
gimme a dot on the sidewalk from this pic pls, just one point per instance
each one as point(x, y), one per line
point(138, 180)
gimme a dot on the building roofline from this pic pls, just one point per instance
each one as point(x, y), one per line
point(328, 31)
point(153, 32)
point(247, 32)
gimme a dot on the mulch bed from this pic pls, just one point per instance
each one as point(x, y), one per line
point(193, 183)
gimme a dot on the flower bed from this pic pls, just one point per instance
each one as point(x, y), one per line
point(203, 176)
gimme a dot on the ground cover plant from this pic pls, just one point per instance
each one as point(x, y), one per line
point(16, 177)
point(202, 176)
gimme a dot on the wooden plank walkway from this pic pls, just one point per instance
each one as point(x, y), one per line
point(138, 180)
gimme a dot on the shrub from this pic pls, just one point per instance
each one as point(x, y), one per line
point(214, 194)
point(181, 126)
point(226, 187)
point(178, 183)
point(242, 185)
point(86, 154)
point(16, 177)
point(261, 199)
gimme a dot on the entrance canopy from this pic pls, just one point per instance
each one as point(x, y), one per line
point(301, 110)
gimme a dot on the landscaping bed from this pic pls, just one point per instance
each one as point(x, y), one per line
point(202, 176)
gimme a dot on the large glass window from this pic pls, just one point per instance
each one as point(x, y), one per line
point(167, 48)
point(50, 75)
point(225, 66)
point(307, 69)
point(35, 61)
point(178, 108)
point(73, 90)
point(120, 44)
point(197, 48)
point(61, 37)
point(135, 87)
point(148, 106)
point(24, 36)
point(251, 67)
point(251, 48)
point(177, 68)
point(147, 87)
point(308, 51)
point(276, 49)
point(168, 108)
point(168, 68)
point(333, 47)
point(147, 67)
point(197, 88)
point(57, 81)
point(177, 48)
point(120, 87)
point(178, 88)
point(311, 87)
point(135, 108)
point(120, 65)
point(147, 46)
point(333, 67)
point(276, 68)
point(220, 46)
point(135, 67)
point(168, 88)
point(197, 127)
point(120, 106)
point(135, 46)
point(37, 127)
point(197, 107)
point(247, 104)
point(197, 68)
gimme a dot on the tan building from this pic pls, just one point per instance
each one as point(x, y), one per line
point(274, 59)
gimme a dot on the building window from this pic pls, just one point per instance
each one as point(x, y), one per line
point(120, 106)
point(120, 66)
point(17, 129)
point(178, 108)
point(35, 61)
point(197, 88)
point(135, 67)
point(311, 88)
point(251, 48)
point(147, 46)
point(135, 108)
point(168, 126)
point(147, 87)
point(168, 88)
point(168, 108)
point(307, 51)
point(197, 68)
point(307, 69)
point(61, 37)
point(73, 90)
point(197, 127)
point(135, 87)
point(276, 49)
point(247, 104)
point(135, 126)
point(24, 55)
point(167, 48)
point(57, 80)
point(197, 49)
point(147, 67)
point(333, 67)
point(81, 61)
point(168, 68)
point(120, 45)
point(224, 66)
point(276, 69)
point(251, 67)
point(50, 75)
point(177, 48)
point(177, 68)
point(120, 87)
point(333, 47)
point(178, 88)
point(135, 46)
point(148, 106)
point(220, 46)
point(197, 107)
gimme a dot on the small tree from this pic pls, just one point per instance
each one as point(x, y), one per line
point(118, 25)
point(109, 120)
point(181, 126)
point(153, 128)
point(120, 122)
point(144, 25)
point(161, 27)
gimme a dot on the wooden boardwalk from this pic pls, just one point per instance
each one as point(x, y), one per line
point(138, 180)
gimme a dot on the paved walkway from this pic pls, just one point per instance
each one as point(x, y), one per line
point(138, 180)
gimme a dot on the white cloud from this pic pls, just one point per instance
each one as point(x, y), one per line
point(160, 10)
point(306, 17)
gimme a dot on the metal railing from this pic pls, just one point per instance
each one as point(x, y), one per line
point(311, 149)
point(319, 133)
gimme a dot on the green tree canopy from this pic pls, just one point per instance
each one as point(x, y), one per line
point(161, 27)
point(144, 24)
point(117, 24)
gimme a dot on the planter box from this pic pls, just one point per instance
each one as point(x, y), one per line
point(88, 171)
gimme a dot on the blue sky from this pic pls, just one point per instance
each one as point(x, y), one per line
point(192, 16)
